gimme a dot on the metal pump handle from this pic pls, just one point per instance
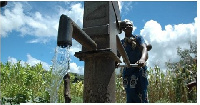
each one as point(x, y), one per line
point(131, 65)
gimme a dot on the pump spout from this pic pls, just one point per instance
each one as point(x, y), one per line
point(64, 32)
point(68, 29)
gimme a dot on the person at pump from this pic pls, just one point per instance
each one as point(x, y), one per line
point(135, 78)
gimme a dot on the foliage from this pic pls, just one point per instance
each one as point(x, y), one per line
point(20, 84)
point(27, 83)
point(24, 83)
point(171, 85)
point(120, 91)
point(77, 92)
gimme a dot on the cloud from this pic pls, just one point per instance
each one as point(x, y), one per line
point(12, 60)
point(30, 61)
point(75, 12)
point(76, 47)
point(165, 41)
point(76, 69)
point(41, 27)
point(33, 61)
point(16, 19)
point(10, 17)
point(125, 6)
point(120, 5)
point(38, 40)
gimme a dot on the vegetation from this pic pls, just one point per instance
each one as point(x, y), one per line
point(27, 83)
point(171, 86)
point(24, 83)
point(21, 84)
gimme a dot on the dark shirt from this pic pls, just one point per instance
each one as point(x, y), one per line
point(133, 54)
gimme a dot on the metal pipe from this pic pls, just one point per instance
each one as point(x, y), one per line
point(122, 51)
point(131, 65)
point(68, 29)
point(67, 96)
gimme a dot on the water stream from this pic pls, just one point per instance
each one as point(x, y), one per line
point(61, 66)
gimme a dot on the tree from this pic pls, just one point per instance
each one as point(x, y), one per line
point(185, 72)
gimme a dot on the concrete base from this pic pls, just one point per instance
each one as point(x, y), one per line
point(99, 76)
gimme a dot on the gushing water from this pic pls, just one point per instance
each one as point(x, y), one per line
point(61, 67)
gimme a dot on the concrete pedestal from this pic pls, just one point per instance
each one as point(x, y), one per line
point(99, 76)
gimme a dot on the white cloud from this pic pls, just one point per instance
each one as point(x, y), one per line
point(12, 60)
point(33, 61)
point(39, 40)
point(42, 27)
point(12, 19)
point(76, 69)
point(30, 61)
point(76, 47)
point(120, 5)
point(75, 13)
point(125, 6)
point(15, 19)
point(165, 41)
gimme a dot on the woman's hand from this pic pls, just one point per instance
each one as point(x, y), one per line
point(141, 63)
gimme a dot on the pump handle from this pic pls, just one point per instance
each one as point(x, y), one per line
point(131, 65)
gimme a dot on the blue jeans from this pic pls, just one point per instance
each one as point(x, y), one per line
point(135, 83)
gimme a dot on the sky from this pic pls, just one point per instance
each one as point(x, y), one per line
point(29, 30)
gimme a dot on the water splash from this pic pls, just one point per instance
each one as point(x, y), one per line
point(61, 67)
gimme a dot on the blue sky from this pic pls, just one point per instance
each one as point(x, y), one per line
point(29, 29)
